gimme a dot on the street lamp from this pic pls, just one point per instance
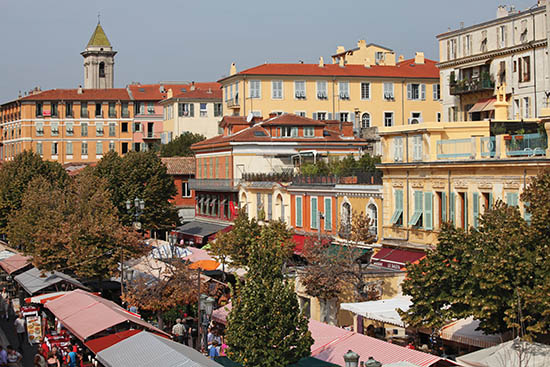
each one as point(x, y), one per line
point(371, 362)
point(206, 306)
point(139, 206)
point(351, 359)
point(172, 240)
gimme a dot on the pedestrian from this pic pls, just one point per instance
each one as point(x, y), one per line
point(3, 357)
point(14, 357)
point(178, 331)
point(39, 360)
point(20, 329)
point(213, 352)
point(5, 303)
point(53, 360)
point(71, 357)
point(223, 347)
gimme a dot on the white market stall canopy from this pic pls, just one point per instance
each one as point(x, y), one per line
point(508, 355)
point(384, 310)
point(464, 331)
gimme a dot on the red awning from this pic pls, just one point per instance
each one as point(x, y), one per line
point(300, 240)
point(14, 263)
point(396, 258)
point(97, 345)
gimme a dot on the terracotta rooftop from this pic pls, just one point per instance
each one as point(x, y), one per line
point(294, 120)
point(179, 165)
point(209, 93)
point(152, 92)
point(404, 69)
point(113, 94)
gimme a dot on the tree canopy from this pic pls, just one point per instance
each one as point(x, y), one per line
point(498, 273)
point(344, 167)
point(73, 228)
point(15, 176)
point(181, 145)
point(140, 175)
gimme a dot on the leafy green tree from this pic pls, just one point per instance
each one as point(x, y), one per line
point(15, 176)
point(75, 228)
point(265, 325)
point(140, 175)
point(347, 166)
point(181, 146)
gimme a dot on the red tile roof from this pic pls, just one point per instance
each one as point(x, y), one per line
point(404, 69)
point(201, 94)
point(179, 165)
point(152, 92)
point(294, 120)
point(113, 94)
point(237, 120)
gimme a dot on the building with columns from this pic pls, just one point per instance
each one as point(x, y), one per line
point(99, 61)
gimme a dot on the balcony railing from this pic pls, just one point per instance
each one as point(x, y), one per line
point(455, 148)
point(488, 146)
point(471, 85)
point(233, 102)
point(360, 178)
point(526, 145)
point(213, 184)
point(151, 135)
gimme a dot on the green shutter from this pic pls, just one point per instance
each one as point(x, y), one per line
point(452, 204)
point(526, 213)
point(314, 213)
point(298, 211)
point(475, 198)
point(512, 199)
point(428, 211)
point(443, 207)
point(466, 210)
point(398, 212)
point(418, 205)
point(490, 201)
point(328, 214)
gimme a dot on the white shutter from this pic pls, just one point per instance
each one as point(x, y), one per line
point(423, 92)
point(409, 91)
point(315, 115)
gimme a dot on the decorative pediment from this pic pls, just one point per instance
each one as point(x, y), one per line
point(460, 184)
point(417, 184)
point(485, 185)
point(512, 184)
point(397, 183)
point(438, 184)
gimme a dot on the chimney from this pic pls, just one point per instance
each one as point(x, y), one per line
point(367, 63)
point(401, 58)
point(209, 91)
point(419, 58)
point(501, 11)
point(79, 91)
point(389, 58)
point(461, 25)
point(321, 62)
point(170, 93)
point(361, 44)
point(541, 2)
point(341, 62)
point(272, 115)
point(501, 105)
point(192, 86)
point(233, 69)
point(340, 49)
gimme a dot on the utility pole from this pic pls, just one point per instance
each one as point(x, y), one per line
point(199, 309)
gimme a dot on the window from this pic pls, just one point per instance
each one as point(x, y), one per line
point(524, 69)
point(68, 109)
point(436, 92)
point(501, 36)
point(54, 109)
point(112, 129)
point(451, 49)
point(378, 56)
point(39, 109)
point(452, 208)
point(298, 211)
point(300, 113)
point(254, 89)
point(483, 44)
point(277, 89)
point(365, 120)
point(416, 219)
point(112, 109)
point(54, 128)
point(475, 205)
point(398, 149)
point(84, 129)
point(300, 89)
point(322, 89)
point(512, 199)
point(39, 148)
point(314, 215)
point(438, 116)
point(139, 108)
point(151, 108)
point(186, 109)
point(84, 109)
point(54, 148)
point(428, 211)
point(39, 129)
point(102, 69)
point(388, 119)
point(417, 147)
point(84, 148)
point(372, 212)
point(397, 217)
point(203, 111)
point(99, 148)
point(99, 128)
point(328, 214)
point(365, 90)
point(69, 129)
point(526, 107)
point(185, 190)
point(344, 116)
point(467, 40)
point(98, 111)
point(136, 127)
point(388, 91)
point(111, 146)
point(321, 116)
point(289, 131)
point(416, 91)
point(218, 109)
point(523, 35)
point(125, 111)
point(343, 90)
point(124, 127)
point(69, 148)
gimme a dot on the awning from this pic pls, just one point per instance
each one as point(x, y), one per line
point(199, 229)
point(43, 298)
point(4, 254)
point(395, 258)
point(304, 362)
point(464, 331)
point(220, 314)
point(490, 106)
point(85, 314)
point(33, 281)
point(486, 104)
point(473, 64)
point(147, 349)
point(14, 263)
point(104, 342)
point(383, 310)
point(207, 265)
point(507, 355)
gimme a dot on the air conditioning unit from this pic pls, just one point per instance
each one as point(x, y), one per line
point(415, 120)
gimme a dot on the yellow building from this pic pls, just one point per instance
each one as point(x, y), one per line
point(434, 173)
point(365, 86)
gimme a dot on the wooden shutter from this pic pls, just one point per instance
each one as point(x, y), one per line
point(465, 214)
point(428, 211)
point(269, 206)
point(409, 91)
point(328, 214)
point(443, 207)
point(192, 109)
point(315, 115)
point(452, 205)
point(423, 91)
point(314, 214)
point(298, 211)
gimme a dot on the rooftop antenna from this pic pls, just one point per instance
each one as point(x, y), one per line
point(98, 17)
point(250, 117)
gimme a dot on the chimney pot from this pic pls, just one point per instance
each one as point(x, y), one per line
point(321, 62)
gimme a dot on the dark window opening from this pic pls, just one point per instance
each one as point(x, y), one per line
point(102, 69)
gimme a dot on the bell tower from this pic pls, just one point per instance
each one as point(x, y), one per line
point(99, 61)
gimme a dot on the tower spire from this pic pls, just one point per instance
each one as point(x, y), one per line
point(98, 18)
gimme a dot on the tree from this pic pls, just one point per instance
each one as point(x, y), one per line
point(74, 229)
point(15, 176)
point(181, 146)
point(499, 273)
point(141, 175)
point(265, 325)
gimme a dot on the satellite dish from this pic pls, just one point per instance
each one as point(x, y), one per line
point(249, 117)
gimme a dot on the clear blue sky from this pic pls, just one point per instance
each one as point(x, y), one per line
point(197, 40)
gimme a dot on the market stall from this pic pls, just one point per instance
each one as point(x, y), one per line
point(34, 281)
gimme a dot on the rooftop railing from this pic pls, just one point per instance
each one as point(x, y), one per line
point(528, 145)
point(455, 148)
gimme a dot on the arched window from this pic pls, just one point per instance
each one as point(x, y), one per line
point(365, 120)
point(102, 69)
point(280, 207)
point(372, 212)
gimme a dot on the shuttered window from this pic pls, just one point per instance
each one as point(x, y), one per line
point(397, 217)
point(475, 207)
point(328, 214)
point(428, 211)
point(314, 213)
point(512, 199)
point(416, 219)
point(298, 211)
point(452, 206)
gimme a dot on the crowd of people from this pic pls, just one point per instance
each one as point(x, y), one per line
point(185, 332)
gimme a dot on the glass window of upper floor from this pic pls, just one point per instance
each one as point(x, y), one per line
point(300, 89)
point(255, 89)
point(277, 89)
point(322, 89)
point(343, 89)
point(388, 91)
point(416, 91)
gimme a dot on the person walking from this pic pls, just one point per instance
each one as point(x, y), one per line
point(53, 360)
point(3, 357)
point(14, 357)
point(71, 357)
point(21, 329)
point(39, 360)
point(5, 306)
point(178, 331)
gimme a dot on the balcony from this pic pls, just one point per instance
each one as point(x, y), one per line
point(455, 148)
point(356, 178)
point(213, 184)
point(151, 136)
point(526, 145)
point(472, 85)
point(233, 103)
